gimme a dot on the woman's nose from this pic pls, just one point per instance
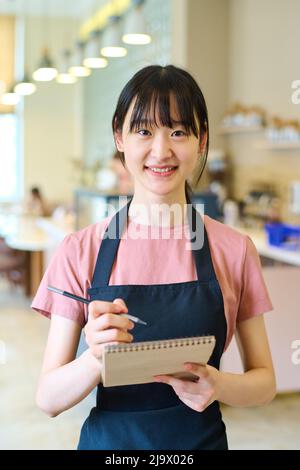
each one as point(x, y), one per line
point(161, 147)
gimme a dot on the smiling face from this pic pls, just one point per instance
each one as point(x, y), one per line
point(161, 154)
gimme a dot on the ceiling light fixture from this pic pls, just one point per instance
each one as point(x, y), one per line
point(111, 44)
point(25, 87)
point(10, 98)
point(46, 70)
point(64, 77)
point(135, 31)
point(92, 57)
point(77, 68)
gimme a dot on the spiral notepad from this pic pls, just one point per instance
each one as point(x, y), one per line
point(137, 363)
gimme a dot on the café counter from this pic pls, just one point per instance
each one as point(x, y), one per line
point(281, 270)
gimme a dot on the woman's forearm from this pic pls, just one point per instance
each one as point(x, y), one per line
point(254, 387)
point(64, 387)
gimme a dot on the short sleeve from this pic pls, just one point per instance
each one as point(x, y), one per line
point(63, 272)
point(254, 299)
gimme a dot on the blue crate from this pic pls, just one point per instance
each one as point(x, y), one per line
point(283, 235)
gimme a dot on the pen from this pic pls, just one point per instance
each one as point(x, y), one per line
point(86, 301)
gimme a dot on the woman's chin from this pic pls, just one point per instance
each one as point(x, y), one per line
point(167, 190)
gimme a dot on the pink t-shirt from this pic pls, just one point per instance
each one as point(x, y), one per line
point(159, 259)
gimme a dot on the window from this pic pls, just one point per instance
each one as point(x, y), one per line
point(9, 161)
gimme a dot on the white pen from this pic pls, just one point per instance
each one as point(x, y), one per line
point(86, 301)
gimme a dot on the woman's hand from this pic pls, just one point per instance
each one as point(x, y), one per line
point(198, 394)
point(105, 326)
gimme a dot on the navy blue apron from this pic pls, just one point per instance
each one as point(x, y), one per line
point(151, 416)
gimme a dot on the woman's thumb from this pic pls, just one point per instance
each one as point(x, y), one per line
point(122, 303)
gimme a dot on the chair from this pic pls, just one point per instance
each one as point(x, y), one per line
point(12, 264)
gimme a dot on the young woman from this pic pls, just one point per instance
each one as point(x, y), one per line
point(161, 129)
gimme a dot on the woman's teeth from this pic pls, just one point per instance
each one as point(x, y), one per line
point(162, 170)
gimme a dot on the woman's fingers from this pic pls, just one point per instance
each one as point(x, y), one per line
point(98, 307)
point(106, 326)
point(121, 303)
point(110, 320)
point(180, 386)
point(111, 335)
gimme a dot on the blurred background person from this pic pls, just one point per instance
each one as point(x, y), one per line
point(35, 204)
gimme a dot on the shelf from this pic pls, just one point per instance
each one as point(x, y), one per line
point(278, 145)
point(240, 129)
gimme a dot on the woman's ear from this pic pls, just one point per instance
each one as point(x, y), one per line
point(119, 140)
point(203, 143)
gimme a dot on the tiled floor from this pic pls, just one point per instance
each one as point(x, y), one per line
point(276, 426)
point(23, 426)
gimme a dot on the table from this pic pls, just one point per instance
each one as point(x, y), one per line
point(37, 237)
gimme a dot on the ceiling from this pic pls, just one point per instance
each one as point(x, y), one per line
point(76, 8)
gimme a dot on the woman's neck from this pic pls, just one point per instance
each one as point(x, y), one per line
point(157, 210)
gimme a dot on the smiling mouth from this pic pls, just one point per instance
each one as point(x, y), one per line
point(161, 171)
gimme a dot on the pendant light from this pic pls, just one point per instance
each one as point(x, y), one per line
point(92, 57)
point(25, 87)
point(77, 68)
point(46, 70)
point(135, 31)
point(64, 77)
point(10, 98)
point(111, 44)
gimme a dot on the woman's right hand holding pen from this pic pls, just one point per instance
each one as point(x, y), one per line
point(67, 381)
point(105, 326)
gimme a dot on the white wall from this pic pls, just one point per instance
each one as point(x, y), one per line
point(52, 116)
point(207, 56)
point(179, 32)
point(264, 37)
point(202, 46)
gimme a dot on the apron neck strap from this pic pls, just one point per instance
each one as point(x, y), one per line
point(200, 246)
point(109, 247)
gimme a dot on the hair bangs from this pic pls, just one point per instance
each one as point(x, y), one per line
point(153, 108)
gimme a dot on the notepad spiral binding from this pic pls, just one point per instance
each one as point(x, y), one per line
point(160, 344)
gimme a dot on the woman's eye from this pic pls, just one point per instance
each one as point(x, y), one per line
point(143, 132)
point(179, 134)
